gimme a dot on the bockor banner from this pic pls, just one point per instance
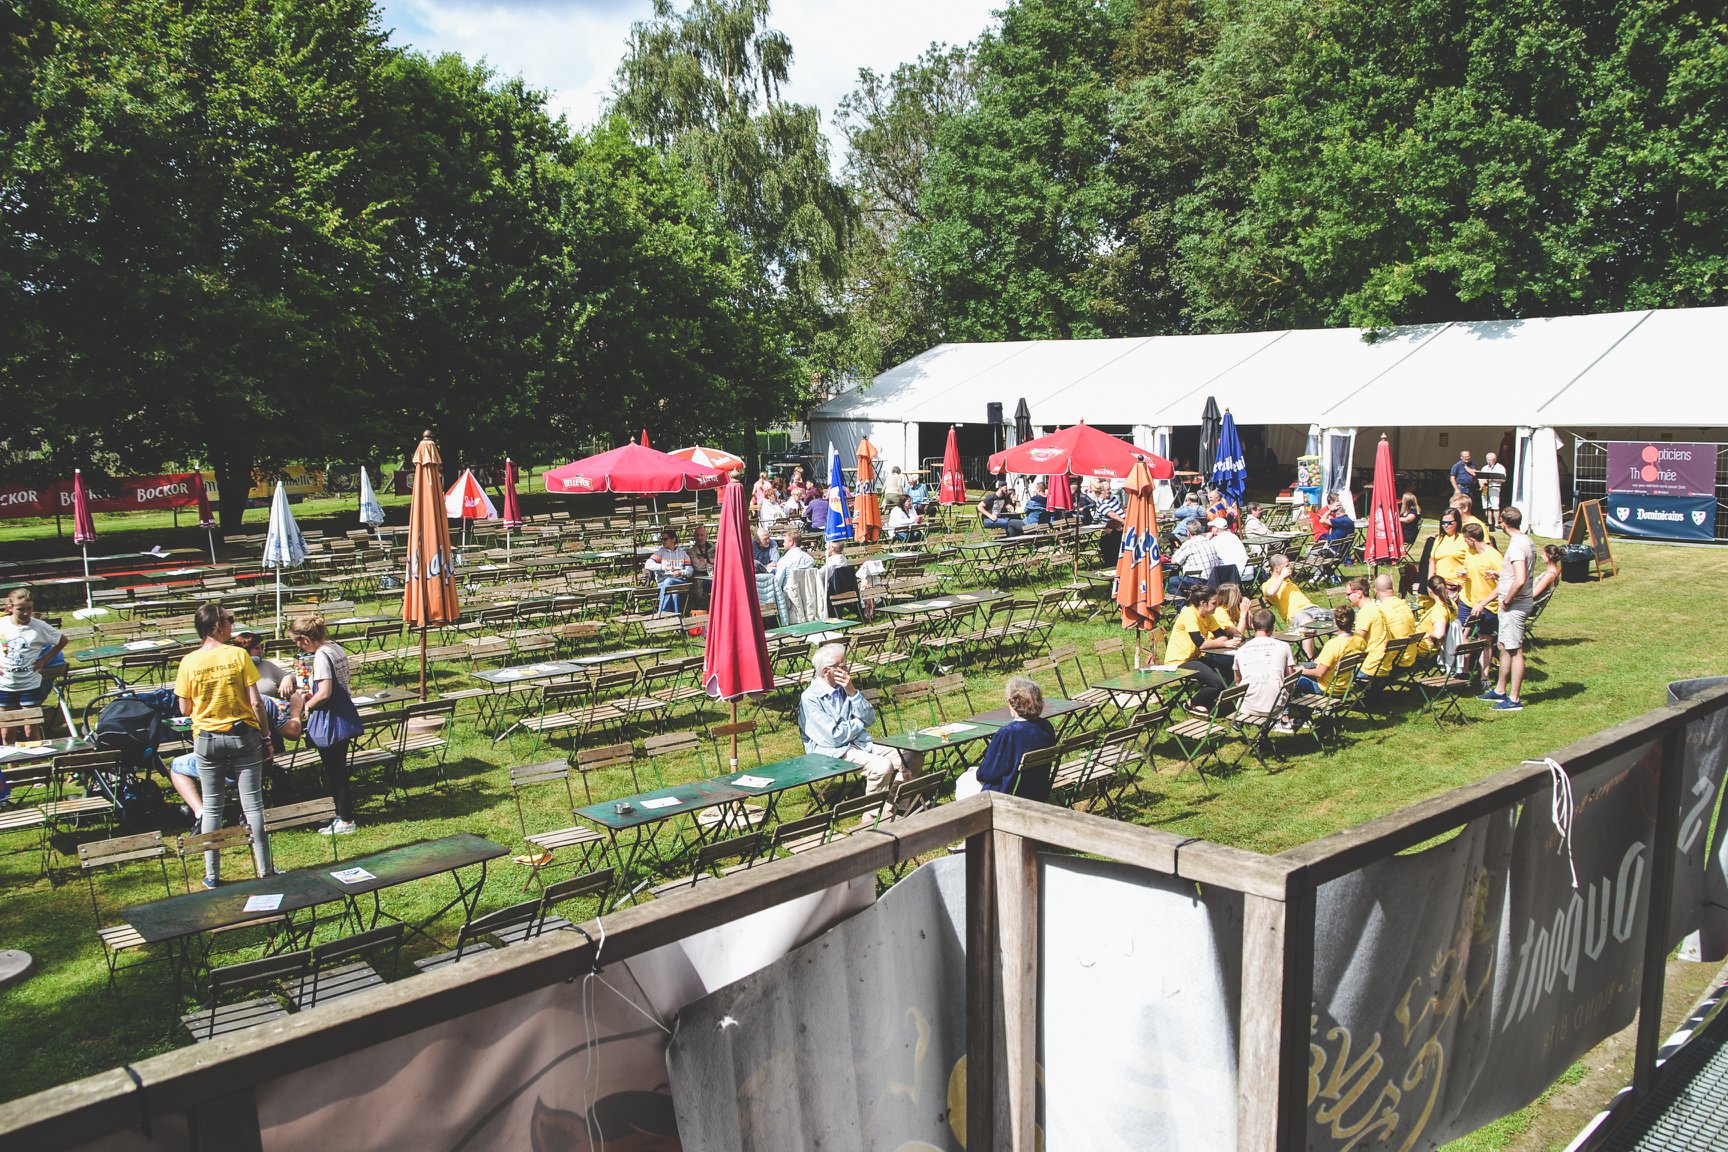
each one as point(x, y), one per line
point(121, 494)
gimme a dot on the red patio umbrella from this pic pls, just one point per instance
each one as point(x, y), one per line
point(645, 443)
point(734, 649)
point(1385, 542)
point(1080, 450)
point(952, 489)
point(83, 529)
point(867, 507)
point(467, 501)
point(633, 469)
point(716, 458)
point(1139, 587)
point(428, 583)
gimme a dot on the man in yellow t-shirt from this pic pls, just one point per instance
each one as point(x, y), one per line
point(1400, 620)
point(217, 686)
point(1290, 602)
point(1371, 627)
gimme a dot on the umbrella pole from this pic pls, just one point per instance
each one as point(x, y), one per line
point(422, 662)
point(212, 534)
point(89, 597)
point(278, 601)
point(734, 726)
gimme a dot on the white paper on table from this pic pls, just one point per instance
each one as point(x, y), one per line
point(511, 674)
point(951, 729)
point(263, 903)
point(141, 645)
point(753, 781)
point(353, 875)
point(939, 603)
point(662, 802)
point(363, 699)
point(20, 751)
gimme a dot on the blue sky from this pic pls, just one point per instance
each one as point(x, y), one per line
point(571, 48)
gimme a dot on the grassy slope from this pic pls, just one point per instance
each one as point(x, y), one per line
point(1606, 656)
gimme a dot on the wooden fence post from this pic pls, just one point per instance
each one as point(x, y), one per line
point(980, 992)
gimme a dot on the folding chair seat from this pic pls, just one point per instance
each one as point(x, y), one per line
point(423, 731)
point(1073, 766)
point(720, 858)
point(1201, 739)
point(36, 780)
point(917, 795)
point(543, 845)
point(1323, 712)
point(603, 758)
point(563, 708)
point(597, 883)
point(129, 853)
point(943, 689)
point(81, 780)
point(668, 744)
point(866, 809)
point(341, 968)
point(223, 1016)
point(908, 698)
point(1441, 688)
point(479, 933)
point(800, 835)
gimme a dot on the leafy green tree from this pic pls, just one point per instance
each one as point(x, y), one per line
point(1019, 203)
point(705, 85)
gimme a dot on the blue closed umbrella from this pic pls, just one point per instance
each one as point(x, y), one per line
point(839, 516)
point(1229, 470)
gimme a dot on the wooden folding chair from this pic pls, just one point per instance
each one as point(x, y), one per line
point(1201, 739)
point(479, 933)
point(720, 858)
point(110, 857)
point(542, 845)
point(222, 1016)
point(341, 968)
point(598, 883)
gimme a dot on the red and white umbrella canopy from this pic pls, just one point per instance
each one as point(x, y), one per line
point(466, 500)
point(709, 458)
point(633, 469)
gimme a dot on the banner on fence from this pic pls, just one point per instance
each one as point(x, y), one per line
point(1661, 469)
point(1662, 517)
point(1456, 985)
point(119, 494)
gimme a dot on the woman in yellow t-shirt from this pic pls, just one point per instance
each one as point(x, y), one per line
point(1317, 676)
point(1436, 618)
point(1447, 555)
point(1196, 644)
point(1232, 611)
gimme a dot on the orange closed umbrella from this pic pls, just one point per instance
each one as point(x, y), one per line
point(867, 509)
point(1139, 588)
point(428, 583)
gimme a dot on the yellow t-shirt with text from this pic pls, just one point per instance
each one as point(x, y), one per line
point(1181, 647)
point(1438, 615)
point(1288, 601)
point(1335, 650)
point(1371, 626)
point(1482, 579)
point(1401, 622)
point(215, 681)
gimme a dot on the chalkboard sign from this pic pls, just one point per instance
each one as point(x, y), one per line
point(1587, 518)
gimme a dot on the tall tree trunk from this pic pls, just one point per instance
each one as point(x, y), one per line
point(234, 480)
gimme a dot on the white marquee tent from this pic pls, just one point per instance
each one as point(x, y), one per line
point(1432, 388)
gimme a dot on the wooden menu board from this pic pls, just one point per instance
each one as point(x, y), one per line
point(1587, 519)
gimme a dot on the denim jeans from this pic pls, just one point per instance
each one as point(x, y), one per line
point(240, 754)
point(669, 600)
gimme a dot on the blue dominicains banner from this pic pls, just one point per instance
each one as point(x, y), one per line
point(1661, 517)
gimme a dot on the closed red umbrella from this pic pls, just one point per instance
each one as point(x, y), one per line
point(1061, 496)
point(1139, 588)
point(512, 509)
point(734, 650)
point(428, 583)
point(952, 489)
point(83, 529)
point(1385, 542)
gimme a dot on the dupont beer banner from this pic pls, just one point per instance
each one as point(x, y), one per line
point(1662, 517)
point(122, 494)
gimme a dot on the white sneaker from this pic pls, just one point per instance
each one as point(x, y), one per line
point(1283, 728)
point(338, 828)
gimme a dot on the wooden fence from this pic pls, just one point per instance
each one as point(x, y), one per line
point(212, 1083)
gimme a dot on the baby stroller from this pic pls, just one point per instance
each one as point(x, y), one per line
point(133, 724)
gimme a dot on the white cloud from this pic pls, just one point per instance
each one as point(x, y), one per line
point(571, 48)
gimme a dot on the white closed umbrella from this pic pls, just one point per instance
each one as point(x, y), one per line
point(284, 547)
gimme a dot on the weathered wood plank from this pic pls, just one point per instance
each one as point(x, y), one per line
point(1015, 860)
point(980, 1130)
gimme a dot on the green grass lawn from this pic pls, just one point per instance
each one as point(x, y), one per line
point(1606, 652)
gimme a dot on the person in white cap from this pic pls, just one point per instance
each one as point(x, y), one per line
point(1232, 553)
